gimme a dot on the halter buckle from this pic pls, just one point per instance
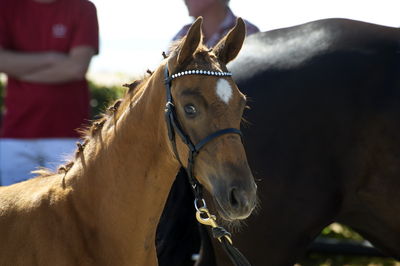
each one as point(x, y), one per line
point(168, 106)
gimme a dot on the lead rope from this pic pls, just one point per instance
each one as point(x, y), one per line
point(203, 215)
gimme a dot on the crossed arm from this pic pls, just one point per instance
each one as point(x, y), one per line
point(47, 67)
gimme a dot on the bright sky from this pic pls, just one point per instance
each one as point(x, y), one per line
point(134, 33)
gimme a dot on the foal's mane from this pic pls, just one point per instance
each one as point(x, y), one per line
point(202, 58)
point(89, 132)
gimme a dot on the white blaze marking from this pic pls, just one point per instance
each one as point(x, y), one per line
point(224, 90)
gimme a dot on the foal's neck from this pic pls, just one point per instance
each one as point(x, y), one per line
point(124, 176)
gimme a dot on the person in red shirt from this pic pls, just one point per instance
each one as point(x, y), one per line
point(45, 50)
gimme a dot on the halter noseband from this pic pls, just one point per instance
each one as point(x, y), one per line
point(174, 126)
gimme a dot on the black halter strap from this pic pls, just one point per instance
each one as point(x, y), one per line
point(174, 127)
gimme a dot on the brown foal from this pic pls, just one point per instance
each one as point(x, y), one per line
point(104, 206)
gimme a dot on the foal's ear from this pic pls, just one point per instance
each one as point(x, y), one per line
point(229, 46)
point(190, 42)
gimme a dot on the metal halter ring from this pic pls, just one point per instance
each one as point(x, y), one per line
point(203, 204)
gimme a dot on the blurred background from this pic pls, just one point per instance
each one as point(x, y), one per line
point(134, 33)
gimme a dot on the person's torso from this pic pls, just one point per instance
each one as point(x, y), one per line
point(36, 110)
point(36, 27)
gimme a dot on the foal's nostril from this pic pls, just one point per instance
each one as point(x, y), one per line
point(239, 203)
point(233, 198)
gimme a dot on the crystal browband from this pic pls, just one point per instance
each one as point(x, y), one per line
point(201, 72)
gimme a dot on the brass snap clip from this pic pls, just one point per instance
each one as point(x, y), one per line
point(204, 216)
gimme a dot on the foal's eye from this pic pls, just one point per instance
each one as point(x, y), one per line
point(190, 110)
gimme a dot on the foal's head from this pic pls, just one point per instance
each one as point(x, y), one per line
point(205, 104)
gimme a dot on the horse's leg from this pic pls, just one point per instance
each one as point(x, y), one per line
point(374, 229)
point(372, 211)
point(371, 203)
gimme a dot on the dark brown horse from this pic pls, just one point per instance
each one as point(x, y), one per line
point(323, 138)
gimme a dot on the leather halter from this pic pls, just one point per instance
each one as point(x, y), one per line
point(174, 128)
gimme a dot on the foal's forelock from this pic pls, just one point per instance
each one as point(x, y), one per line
point(203, 57)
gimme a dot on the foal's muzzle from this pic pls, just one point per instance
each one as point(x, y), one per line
point(236, 202)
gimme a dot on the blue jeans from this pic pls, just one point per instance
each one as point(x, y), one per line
point(18, 157)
